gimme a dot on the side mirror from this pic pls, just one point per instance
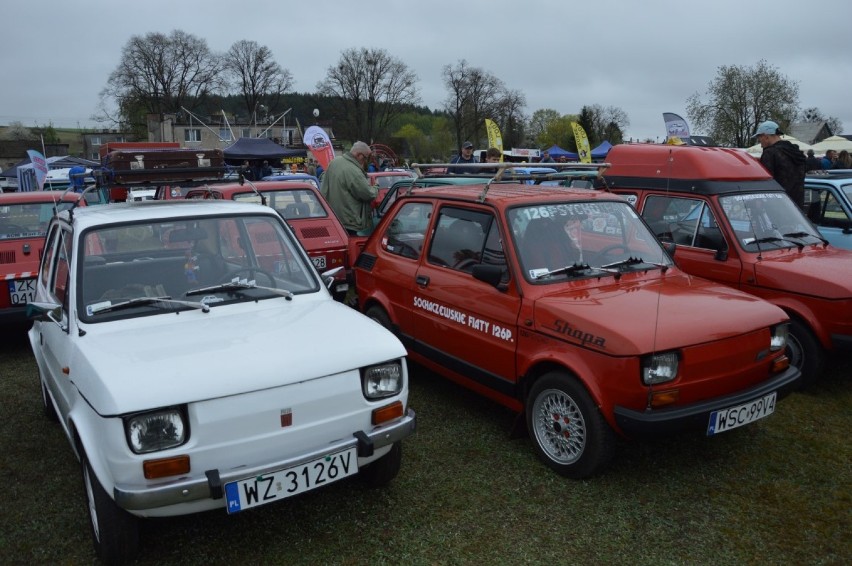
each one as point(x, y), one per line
point(328, 276)
point(491, 274)
point(46, 312)
point(670, 247)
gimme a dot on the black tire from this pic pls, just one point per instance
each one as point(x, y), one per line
point(47, 403)
point(805, 352)
point(382, 471)
point(115, 532)
point(378, 314)
point(569, 432)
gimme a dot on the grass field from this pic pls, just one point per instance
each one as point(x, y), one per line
point(775, 492)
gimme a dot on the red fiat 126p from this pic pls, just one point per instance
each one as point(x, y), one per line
point(561, 303)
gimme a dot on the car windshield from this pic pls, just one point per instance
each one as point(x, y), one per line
point(291, 204)
point(27, 220)
point(385, 181)
point(765, 221)
point(181, 263)
point(587, 237)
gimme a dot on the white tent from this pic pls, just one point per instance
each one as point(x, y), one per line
point(837, 143)
point(757, 149)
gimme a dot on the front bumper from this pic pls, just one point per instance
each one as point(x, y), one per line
point(186, 490)
point(661, 422)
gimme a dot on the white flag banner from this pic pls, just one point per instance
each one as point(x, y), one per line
point(39, 166)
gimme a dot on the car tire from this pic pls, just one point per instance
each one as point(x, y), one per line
point(115, 532)
point(382, 471)
point(47, 403)
point(569, 432)
point(805, 352)
point(378, 314)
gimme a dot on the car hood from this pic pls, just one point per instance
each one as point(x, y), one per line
point(818, 272)
point(629, 318)
point(162, 360)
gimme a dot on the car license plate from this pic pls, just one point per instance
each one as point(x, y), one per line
point(263, 489)
point(319, 261)
point(734, 417)
point(22, 291)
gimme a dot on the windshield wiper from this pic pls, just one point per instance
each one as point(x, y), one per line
point(805, 235)
point(568, 270)
point(775, 240)
point(236, 285)
point(138, 301)
point(617, 265)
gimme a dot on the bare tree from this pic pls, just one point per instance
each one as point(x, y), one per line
point(814, 115)
point(160, 73)
point(256, 75)
point(739, 98)
point(509, 116)
point(473, 95)
point(373, 88)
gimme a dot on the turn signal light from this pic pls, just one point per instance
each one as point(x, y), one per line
point(663, 398)
point(780, 363)
point(166, 467)
point(387, 413)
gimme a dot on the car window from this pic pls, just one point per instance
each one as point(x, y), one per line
point(758, 216)
point(289, 204)
point(27, 220)
point(407, 231)
point(673, 218)
point(459, 238)
point(598, 234)
point(823, 209)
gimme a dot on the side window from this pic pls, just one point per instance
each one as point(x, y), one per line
point(407, 230)
point(709, 235)
point(55, 267)
point(459, 239)
point(673, 218)
point(494, 254)
point(828, 211)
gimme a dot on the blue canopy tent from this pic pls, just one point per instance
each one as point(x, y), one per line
point(557, 152)
point(601, 151)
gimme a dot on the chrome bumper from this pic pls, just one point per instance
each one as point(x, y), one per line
point(185, 490)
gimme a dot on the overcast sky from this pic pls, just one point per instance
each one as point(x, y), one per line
point(643, 56)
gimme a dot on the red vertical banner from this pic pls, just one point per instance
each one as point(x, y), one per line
point(319, 143)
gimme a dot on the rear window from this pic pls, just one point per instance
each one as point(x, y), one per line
point(27, 220)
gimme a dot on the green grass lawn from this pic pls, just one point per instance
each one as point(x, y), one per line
point(775, 492)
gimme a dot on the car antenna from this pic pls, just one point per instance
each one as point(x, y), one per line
point(254, 188)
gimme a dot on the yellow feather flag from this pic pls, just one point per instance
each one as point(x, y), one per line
point(494, 137)
point(582, 140)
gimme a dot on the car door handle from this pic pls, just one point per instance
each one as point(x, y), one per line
point(422, 280)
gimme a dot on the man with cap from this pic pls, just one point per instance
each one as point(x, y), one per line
point(784, 160)
point(348, 191)
point(466, 156)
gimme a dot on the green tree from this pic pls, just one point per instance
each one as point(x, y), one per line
point(538, 124)
point(741, 97)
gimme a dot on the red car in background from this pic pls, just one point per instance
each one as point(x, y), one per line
point(383, 180)
point(23, 220)
point(308, 214)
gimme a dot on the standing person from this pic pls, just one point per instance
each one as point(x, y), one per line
point(265, 169)
point(312, 167)
point(492, 155)
point(829, 159)
point(812, 163)
point(348, 191)
point(545, 157)
point(784, 160)
point(246, 171)
point(466, 156)
point(844, 160)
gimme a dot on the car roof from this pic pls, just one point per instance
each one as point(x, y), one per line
point(262, 186)
point(692, 169)
point(842, 177)
point(134, 211)
point(23, 197)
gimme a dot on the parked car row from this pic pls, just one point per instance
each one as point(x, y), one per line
point(678, 290)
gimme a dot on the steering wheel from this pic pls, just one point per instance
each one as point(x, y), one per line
point(611, 248)
point(250, 274)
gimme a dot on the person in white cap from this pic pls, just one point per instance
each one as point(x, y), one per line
point(784, 160)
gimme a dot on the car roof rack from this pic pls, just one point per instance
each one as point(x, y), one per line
point(504, 172)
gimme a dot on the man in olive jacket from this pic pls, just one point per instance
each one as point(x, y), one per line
point(348, 191)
